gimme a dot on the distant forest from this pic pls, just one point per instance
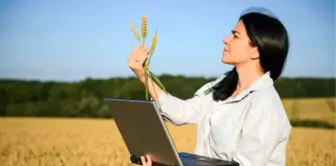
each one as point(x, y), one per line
point(85, 98)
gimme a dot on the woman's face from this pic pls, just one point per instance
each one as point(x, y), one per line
point(237, 49)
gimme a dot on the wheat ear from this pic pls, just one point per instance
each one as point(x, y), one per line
point(152, 48)
point(144, 28)
point(135, 31)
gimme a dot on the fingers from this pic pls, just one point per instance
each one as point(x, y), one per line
point(139, 51)
point(143, 56)
point(142, 48)
point(143, 161)
point(138, 57)
point(149, 161)
point(144, 52)
point(140, 54)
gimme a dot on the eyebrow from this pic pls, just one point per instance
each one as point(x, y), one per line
point(234, 31)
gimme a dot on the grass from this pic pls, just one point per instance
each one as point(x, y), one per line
point(43, 141)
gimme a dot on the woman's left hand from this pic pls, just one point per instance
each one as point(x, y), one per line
point(149, 161)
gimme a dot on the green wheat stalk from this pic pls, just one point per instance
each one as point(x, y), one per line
point(142, 39)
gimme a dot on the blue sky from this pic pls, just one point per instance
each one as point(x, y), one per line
point(75, 39)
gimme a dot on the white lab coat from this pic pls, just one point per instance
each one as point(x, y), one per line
point(251, 129)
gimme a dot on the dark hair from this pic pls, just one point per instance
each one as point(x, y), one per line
point(271, 37)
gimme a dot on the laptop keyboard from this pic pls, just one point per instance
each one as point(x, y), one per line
point(196, 160)
point(193, 162)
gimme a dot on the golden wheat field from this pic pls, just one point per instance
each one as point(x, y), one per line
point(47, 141)
point(321, 109)
point(43, 141)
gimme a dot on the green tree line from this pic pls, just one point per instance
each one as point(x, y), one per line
point(85, 98)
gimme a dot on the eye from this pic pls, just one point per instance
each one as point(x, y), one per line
point(234, 33)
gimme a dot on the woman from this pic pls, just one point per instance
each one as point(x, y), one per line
point(240, 115)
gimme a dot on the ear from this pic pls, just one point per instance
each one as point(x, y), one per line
point(254, 53)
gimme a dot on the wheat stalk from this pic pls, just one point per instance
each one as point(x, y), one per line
point(144, 33)
point(151, 51)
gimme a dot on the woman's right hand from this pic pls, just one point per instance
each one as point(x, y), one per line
point(136, 62)
point(137, 59)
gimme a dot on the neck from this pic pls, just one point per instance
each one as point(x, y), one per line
point(247, 75)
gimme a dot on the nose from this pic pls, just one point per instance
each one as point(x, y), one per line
point(226, 40)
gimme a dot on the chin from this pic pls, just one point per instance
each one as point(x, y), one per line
point(227, 61)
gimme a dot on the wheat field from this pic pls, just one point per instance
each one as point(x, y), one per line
point(44, 141)
point(321, 109)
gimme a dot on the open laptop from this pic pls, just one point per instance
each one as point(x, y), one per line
point(144, 132)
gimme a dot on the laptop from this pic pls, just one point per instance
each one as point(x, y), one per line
point(143, 130)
